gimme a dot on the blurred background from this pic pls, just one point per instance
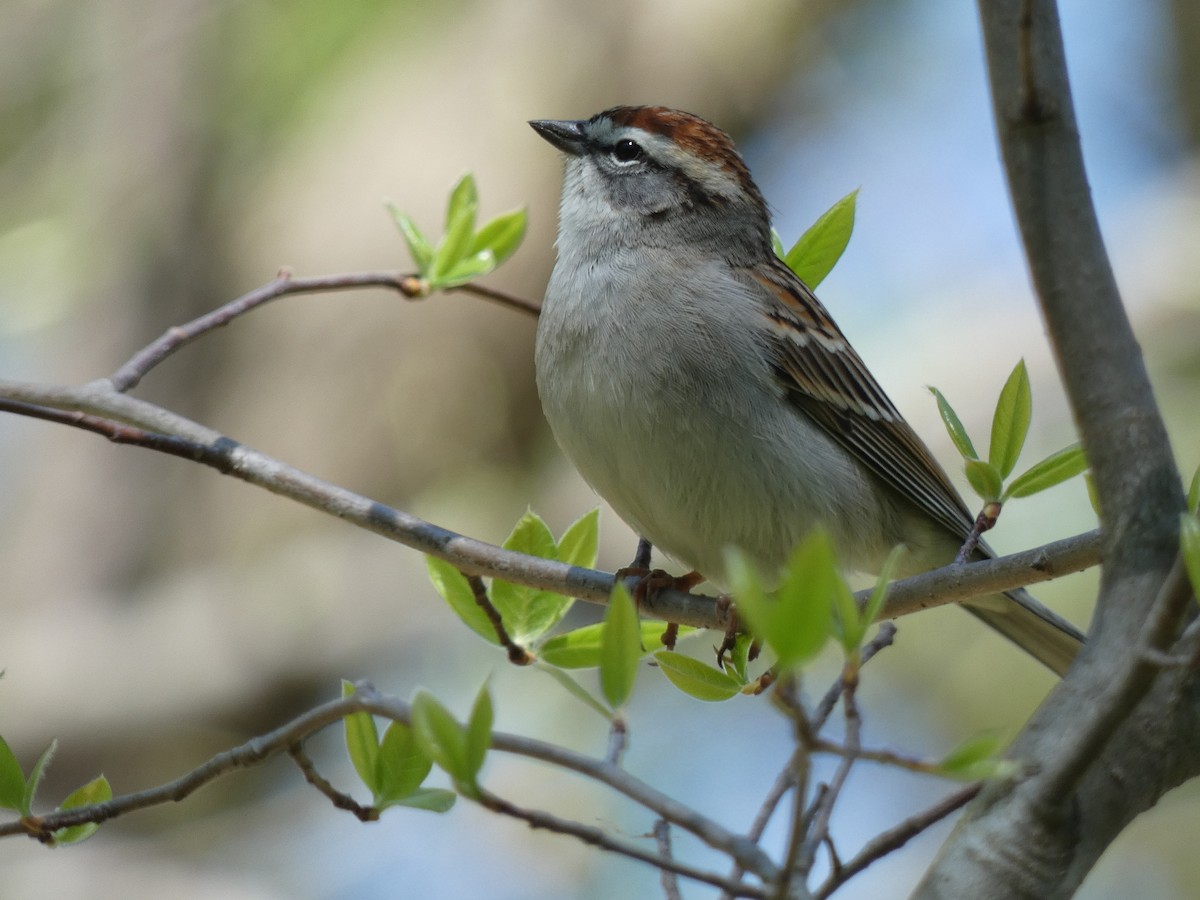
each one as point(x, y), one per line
point(158, 159)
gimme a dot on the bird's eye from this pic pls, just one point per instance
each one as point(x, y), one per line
point(626, 151)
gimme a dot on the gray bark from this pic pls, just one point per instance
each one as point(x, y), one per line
point(1122, 728)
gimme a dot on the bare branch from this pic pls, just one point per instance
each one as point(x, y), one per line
point(132, 372)
point(517, 655)
point(336, 797)
point(884, 638)
point(818, 832)
point(97, 407)
point(895, 838)
point(135, 369)
point(507, 300)
point(365, 699)
point(248, 754)
point(955, 583)
point(602, 839)
point(662, 837)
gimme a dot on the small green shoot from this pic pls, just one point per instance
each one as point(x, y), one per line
point(463, 253)
point(978, 758)
point(394, 768)
point(457, 749)
point(527, 613)
point(98, 790)
point(1010, 428)
point(1189, 548)
point(797, 621)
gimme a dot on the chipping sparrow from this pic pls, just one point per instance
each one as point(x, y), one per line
point(704, 392)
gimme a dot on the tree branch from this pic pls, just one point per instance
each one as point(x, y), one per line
point(598, 837)
point(101, 409)
point(129, 375)
point(366, 699)
point(1119, 731)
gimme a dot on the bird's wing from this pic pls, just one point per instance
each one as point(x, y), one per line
point(826, 379)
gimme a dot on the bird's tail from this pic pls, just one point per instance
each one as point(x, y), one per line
point(1043, 634)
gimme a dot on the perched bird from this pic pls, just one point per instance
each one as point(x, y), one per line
point(702, 389)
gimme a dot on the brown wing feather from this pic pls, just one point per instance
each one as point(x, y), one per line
point(828, 380)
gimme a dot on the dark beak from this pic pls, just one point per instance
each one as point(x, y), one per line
point(566, 136)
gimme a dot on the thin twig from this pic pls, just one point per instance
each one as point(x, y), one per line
point(895, 838)
point(246, 755)
point(883, 638)
point(618, 739)
point(669, 879)
point(336, 797)
point(506, 300)
point(602, 839)
point(365, 699)
point(818, 830)
point(787, 697)
point(136, 368)
point(985, 521)
point(883, 757)
point(517, 655)
point(784, 782)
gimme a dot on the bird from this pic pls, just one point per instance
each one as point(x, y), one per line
point(701, 389)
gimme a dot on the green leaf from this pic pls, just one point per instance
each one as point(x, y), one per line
point(1054, 469)
point(1189, 548)
point(852, 623)
point(879, 594)
point(456, 591)
point(696, 679)
point(620, 648)
point(821, 246)
point(1010, 424)
point(438, 800)
point(419, 248)
point(528, 613)
point(954, 426)
point(460, 229)
point(464, 199)
point(362, 743)
point(739, 657)
point(479, 730)
point(97, 790)
point(797, 622)
point(580, 648)
point(502, 235)
point(576, 690)
point(1193, 498)
point(12, 779)
point(1093, 497)
point(848, 626)
point(400, 766)
point(35, 778)
point(532, 535)
point(984, 478)
point(466, 269)
point(977, 758)
point(578, 544)
point(777, 244)
point(442, 739)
